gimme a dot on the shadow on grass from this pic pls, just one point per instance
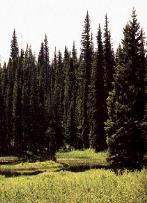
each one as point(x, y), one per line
point(83, 168)
point(14, 173)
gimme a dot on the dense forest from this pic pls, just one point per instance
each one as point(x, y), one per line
point(95, 99)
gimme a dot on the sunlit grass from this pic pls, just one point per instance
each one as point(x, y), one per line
point(55, 185)
point(88, 187)
point(77, 157)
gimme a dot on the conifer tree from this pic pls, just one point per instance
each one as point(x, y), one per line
point(11, 72)
point(73, 104)
point(67, 95)
point(108, 58)
point(99, 96)
point(80, 104)
point(86, 59)
point(126, 102)
point(29, 103)
point(47, 64)
point(17, 107)
point(43, 99)
point(58, 98)
point(14, 47)
point(3, 131)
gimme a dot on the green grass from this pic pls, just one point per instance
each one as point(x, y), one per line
point(54, 185)
point(86, 157)
point(29, 168)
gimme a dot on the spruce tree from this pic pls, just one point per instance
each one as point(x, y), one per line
point(58, 98)
point(99, 96)
point(43, 99)
point(126, 102)
point(86, 62)
point(3, 131)
point(73, 104)
point(14, 47)
point(67, 95)
point(29, 103)
point(80, 104)
point(17, 107)
point(108, 58)
point(11, 72)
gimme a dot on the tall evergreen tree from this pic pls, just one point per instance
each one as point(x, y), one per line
point(86, 59)
point(11, 72)
point(3, 131)
point(30, 103)
point(99, 96)
point(67, 95)
point(126, 102)
point(17, 106)
point(57, 102)
point(73, 87)
point(43, 99)
point(14, 47)
point(47, 64)
point(108, 58)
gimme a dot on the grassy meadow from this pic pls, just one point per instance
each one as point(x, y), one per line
point(76, 177)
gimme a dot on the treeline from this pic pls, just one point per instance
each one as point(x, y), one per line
point(93, 100)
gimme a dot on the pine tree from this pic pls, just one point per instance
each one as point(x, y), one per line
point(126, 102)
point(80, 104)
point(47, 64)
point(17, 107)
point(43, 108)
point(14, 47)
point(67, 95)
point(108, 58)
point(99, 96)
point(58, 98)
point(73, 104)
point(86, 59)
point(30, 103)
point(11, 72)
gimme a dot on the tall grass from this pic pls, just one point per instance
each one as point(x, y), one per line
point(55, 185)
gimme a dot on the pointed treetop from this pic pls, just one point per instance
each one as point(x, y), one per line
point(74, 45)
point(41, 54)
point(74, 51)
point(66, 53)
point(134, 22)
point(99, 33)
point(106, 31)
point(14, 47)
point(87, 22)
point(106, 19)
point(45, 36)
point(134, 12)
point(45, 41)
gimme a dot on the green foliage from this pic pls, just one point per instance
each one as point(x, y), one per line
point(85, 70)
point(109, 62)
point(48, 105)
point(99, 97)
point(14, 47)
point(126, 102)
